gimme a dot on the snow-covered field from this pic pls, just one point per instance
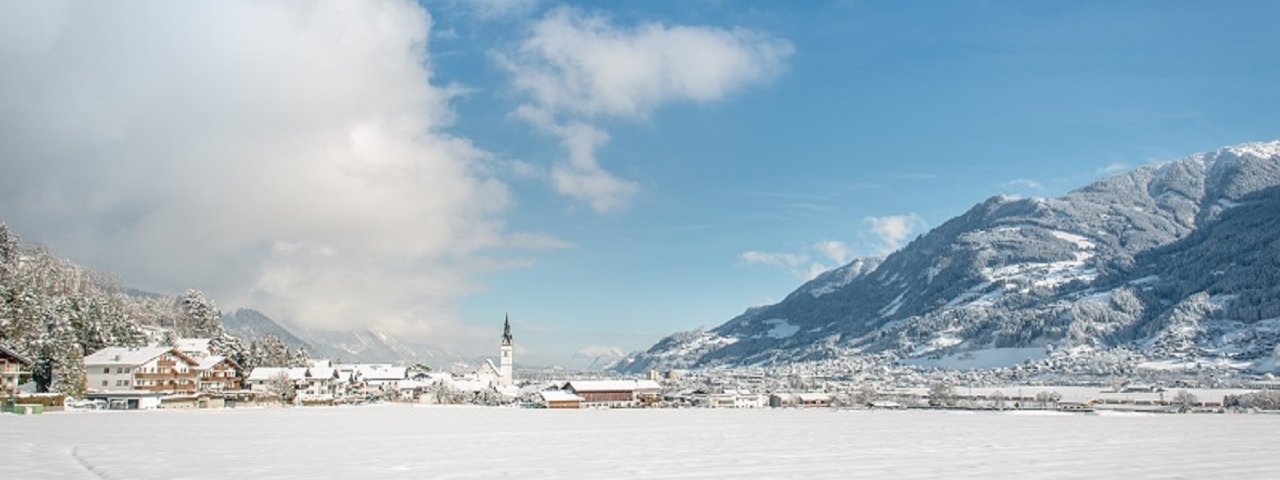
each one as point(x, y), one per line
point(397, 441)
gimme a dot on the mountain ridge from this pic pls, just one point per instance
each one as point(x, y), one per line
point(1015, 273)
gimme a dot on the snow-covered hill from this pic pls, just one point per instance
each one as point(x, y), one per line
point(1178, 261)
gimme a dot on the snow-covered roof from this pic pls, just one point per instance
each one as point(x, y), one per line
point(131, 356)
point(323, 372)
point(263, 374)
point(322, 363)
point(210, 361)
point(6, 352)
point(559, 396)
point(813, 397)
point(382, 373)
point(611, 385)
point(193, 344)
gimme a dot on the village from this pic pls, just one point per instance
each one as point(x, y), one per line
point(190, 375)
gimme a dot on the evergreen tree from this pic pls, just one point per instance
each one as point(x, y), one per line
point(274, 353)
point(300, 358)
point(198, 317)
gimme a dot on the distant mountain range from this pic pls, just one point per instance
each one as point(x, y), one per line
point(357, 345)
point(1179, 262)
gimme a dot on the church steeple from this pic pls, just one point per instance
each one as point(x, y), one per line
point(506, 330)
point(506, 365)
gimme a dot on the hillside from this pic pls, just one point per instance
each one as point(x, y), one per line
point(1176, 261)
point(358, 345)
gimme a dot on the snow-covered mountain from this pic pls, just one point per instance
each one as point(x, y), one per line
point(360, 345)
point(1178, 261)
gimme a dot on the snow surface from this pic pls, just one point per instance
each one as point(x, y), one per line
point(1256, 149)
point(892, 308)
point(781, 328)
point(403, 442)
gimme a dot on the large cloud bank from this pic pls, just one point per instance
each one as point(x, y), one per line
point(286, 155)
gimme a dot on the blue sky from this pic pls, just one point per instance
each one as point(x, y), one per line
point(884, 109)
point(607, 172)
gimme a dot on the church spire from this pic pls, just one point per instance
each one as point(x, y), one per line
point(506, 329)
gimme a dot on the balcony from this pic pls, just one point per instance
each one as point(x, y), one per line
point(164, 375)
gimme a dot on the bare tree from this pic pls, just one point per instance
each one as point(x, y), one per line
point(1048, 397)
point(942, 394)
point(1185, 401)
point(283, 388)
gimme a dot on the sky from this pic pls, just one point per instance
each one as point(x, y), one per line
point(607, 173)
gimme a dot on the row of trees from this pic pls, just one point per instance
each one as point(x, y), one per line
point(53, 312)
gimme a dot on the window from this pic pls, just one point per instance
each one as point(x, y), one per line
point(104, 383)
point(106, 370)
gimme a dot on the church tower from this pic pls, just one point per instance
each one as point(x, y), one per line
point(504, 365)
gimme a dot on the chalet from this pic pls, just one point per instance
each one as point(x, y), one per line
point(217, 373)
point(325, 382)
point(12, 368)
point(560, 399)
point(615, 393)
point(153, 369)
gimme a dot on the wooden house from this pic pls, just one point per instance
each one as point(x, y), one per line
point(152, 369)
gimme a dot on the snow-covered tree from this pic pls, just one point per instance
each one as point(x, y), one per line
point(1047, 398)
point(1185, 401)
point(198, 317)
point(273, 353)
point(282, 387)
point(444, 394)
point(942, 394)
point(300, 358)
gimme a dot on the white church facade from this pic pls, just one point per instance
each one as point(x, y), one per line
point(499, 376)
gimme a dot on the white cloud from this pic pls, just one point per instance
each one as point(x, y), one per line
point(836, 251)
point(789, 260)
point(801, 265)
point(887, 235)
point(288, 156)
point(1113, 168)
point(578, 68)
point(892, 230)
point(1024, 183)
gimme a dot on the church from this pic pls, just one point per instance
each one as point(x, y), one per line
point(501, 375)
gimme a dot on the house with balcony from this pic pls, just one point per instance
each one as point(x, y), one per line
point(13, 367)
point(217, 373)
point(150, 369)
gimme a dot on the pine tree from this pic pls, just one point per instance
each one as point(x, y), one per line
point(198, 317)
point(300, 358)
point(274, 353)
